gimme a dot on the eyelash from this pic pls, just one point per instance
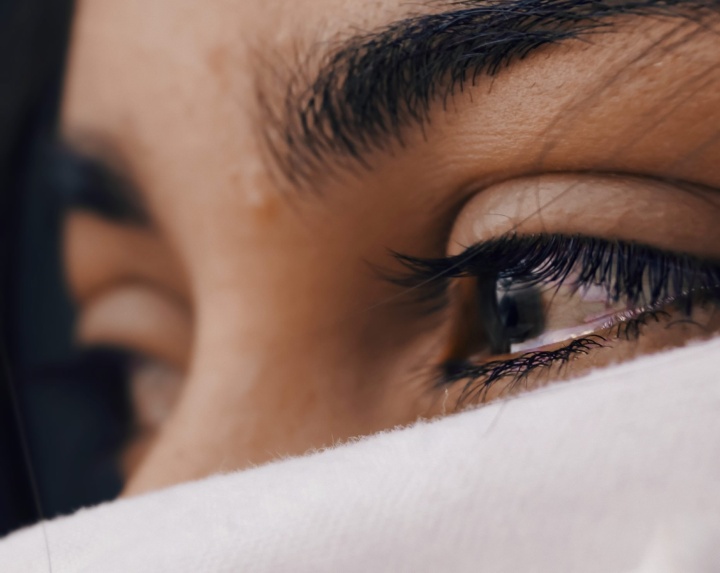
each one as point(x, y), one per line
point(645, 277)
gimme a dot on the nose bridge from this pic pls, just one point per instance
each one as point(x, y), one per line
point(259, 388)
point(272, 414)
point(182, 114)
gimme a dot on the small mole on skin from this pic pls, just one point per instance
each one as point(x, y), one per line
point(263, 205)
point(217, 62)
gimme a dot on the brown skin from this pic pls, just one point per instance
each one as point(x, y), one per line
point(263, 299)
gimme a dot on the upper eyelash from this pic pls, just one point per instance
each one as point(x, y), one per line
point(630, 271)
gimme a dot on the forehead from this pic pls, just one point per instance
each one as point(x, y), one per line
point(175, 84)
point(182, 55)
point(171, 86)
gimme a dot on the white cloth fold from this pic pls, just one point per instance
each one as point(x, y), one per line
point(615, 472)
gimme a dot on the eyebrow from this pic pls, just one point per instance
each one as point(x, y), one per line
point(87, 183)
point(374, 85)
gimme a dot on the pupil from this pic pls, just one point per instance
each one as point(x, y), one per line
point(521, 312)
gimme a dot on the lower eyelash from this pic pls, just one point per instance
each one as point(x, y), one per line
point(479, 378)
point(630, 329)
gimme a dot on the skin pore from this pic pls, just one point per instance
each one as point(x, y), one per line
point(251, 288)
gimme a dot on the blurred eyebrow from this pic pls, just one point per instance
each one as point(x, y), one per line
point(374, 85)
point(88, 183)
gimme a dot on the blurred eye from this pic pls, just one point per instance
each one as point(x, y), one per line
point(138, 317)
point(131, 295)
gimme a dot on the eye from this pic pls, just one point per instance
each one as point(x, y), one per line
point(527, 308)
point(534, 315)
point(129, 287)
point(128, 292)
point(543, 301)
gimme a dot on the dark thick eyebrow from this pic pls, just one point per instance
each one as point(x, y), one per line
point(84, 182)
point(371, 87)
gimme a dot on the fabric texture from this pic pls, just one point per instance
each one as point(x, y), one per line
point(615, 472)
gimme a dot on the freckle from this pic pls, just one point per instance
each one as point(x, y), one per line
point(215, 59)
point(218, 64)
point(267, 210)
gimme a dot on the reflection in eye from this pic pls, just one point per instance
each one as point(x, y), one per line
point(543, 300)
point(521, 313)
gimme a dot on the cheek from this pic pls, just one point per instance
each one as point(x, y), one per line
point(267, 389)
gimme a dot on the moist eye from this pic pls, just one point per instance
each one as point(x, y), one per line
point(521, 312)
point(599, 286)
point(508, 314)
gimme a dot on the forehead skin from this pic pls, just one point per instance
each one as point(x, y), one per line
point(284, 347)
point(173, 87)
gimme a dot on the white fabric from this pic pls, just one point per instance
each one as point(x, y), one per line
point(615, 472)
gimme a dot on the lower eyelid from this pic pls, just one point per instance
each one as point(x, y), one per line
point(488, 380)
point(139, 318)
point(483, 377)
